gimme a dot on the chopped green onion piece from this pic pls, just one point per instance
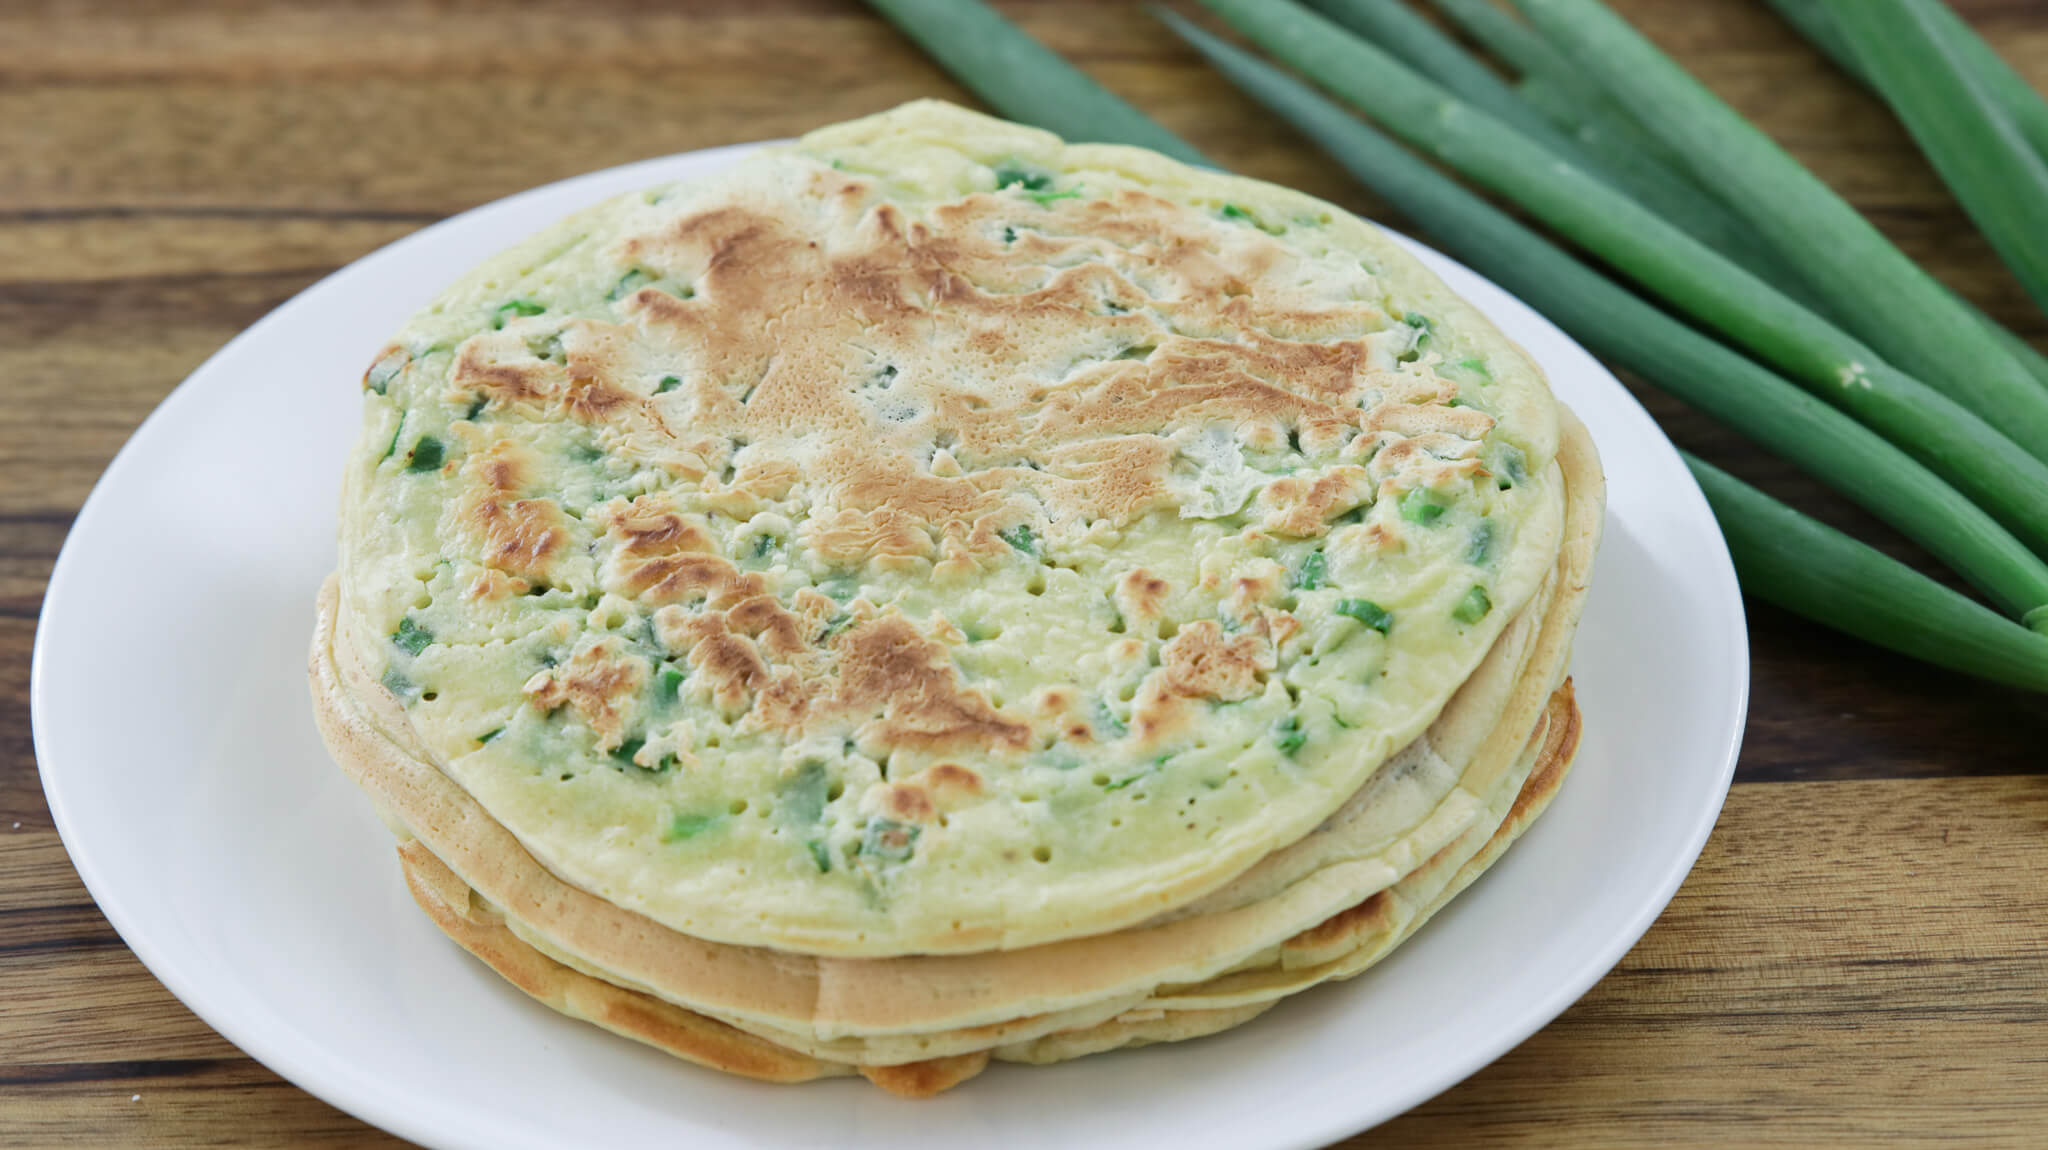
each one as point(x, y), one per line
point(426, 454)
point(1011, 174)
point(1313, 572)
point(1105, 720)
point(1126, 781)
point(517, 307)
point(889, 840)
point(410, 637)
point(1367, 612)
point(840, 587)
point(1021, 538)
point(1480, 550)
point(1233, 212)
point(1288, 735)
point(382, 372)
point(689, 826)
point(803, 798)
point(820, 857)
point(1043, 199)
point(671, 683)
point(668, 383)
point(1419, 506)
point(476, 407)
point(631, 282)
point(1473, 607)
point(493, 733)
point(394, 681)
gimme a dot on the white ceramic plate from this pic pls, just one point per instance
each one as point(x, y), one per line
point(176, 743)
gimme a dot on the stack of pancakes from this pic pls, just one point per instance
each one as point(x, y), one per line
point(932, 593)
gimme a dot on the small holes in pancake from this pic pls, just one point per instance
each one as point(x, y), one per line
point(1042, 853)
point(1168, 628)
point(738, 807)
point(838, 789)
point(430, 696)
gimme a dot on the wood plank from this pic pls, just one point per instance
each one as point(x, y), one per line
point(1849, 964)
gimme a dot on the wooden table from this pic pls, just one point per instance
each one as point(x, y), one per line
point(1861, 954)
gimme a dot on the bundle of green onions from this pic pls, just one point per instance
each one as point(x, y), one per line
point(1859, 367)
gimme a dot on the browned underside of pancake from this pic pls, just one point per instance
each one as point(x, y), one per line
point(448, 901)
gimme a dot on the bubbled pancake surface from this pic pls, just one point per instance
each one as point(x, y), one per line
point(933, 538)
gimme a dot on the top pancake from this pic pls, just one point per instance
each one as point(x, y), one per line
point(931, 537)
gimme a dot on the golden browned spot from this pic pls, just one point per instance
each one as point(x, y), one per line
point(650, 525)
point(1373, 915)
point(1303, 507)
point(905, 802)
point(522, 536)
point(499, 368)
point(1141, 595)
point(924, 1079)
point(1199, 662)
point(601, 681)
point(906, 681)
point(851, 537)
point(678, 578)
point(764, 617)
point(730, 663)
point(594, 401)
point(491, 583)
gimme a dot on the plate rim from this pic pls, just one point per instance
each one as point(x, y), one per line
point(383, 1108)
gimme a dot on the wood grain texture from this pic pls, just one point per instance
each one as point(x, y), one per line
point(1858, 958)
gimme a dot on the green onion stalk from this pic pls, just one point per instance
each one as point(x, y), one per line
point(1811, 569)
point(1592, 147)
point(1550, 84)
point(1810, 17)
point(1970, 452)
point(1004, 66)
point(1615, 323)
point(1881, 294)
point(2011, 91)
point(1995, 174)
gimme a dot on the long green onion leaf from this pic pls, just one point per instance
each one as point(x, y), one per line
point(1522, 48)
point(1023, 79)
point(1406, 36)
point(1811, 18)
point(1970, 452)
point(1881, 294)
point(1615, 323)
point(2011, 90)
point(1813, 570)
point(1995, 174)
